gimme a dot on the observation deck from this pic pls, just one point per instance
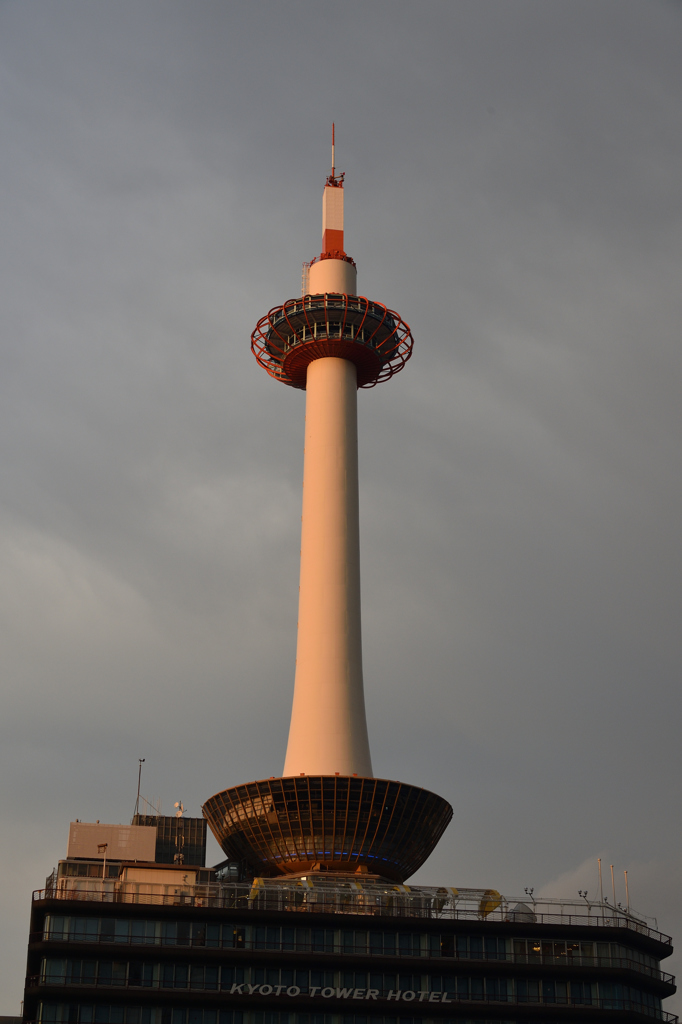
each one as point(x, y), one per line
point(328, 823)
point(288, 338)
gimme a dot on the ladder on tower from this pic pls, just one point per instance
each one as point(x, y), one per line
point(305, 278)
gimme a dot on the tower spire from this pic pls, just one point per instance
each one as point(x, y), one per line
point(332, 211)
point(335, 180)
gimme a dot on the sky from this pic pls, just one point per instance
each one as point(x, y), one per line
point(513, 190)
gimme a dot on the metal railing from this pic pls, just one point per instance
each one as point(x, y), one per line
point(460, 959)
point(357, 898)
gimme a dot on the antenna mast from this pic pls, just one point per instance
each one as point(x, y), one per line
point(141, 761)
point(333, 179)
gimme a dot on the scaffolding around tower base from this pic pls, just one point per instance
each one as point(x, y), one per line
point(288, 338)
point(332, 823)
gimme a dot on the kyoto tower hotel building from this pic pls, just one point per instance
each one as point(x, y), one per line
point(309, 920)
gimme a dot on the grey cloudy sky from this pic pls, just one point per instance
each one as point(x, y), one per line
point(513, 190)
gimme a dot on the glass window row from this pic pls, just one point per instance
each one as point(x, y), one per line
point(63, 1013)
point(71, 1013)
point(543, 951)
point(341, 984)
point(228, 935)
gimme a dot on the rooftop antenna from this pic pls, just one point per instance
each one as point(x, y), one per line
point(180, 809)
point(102, 848)
point(153, 809)
point(334, 179)
point(141, 761)
point(627, 893)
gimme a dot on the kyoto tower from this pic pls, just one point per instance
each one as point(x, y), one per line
point(328, 812)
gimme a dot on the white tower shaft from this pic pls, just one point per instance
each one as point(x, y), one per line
point(328, 732)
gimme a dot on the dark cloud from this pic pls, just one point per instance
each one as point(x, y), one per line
point(513, 190)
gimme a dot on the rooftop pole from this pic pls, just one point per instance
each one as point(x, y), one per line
point(141, 761)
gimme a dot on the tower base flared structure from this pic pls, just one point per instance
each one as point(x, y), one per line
point(336, 823)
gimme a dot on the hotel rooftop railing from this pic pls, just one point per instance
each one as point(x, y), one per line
point(315, 895)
